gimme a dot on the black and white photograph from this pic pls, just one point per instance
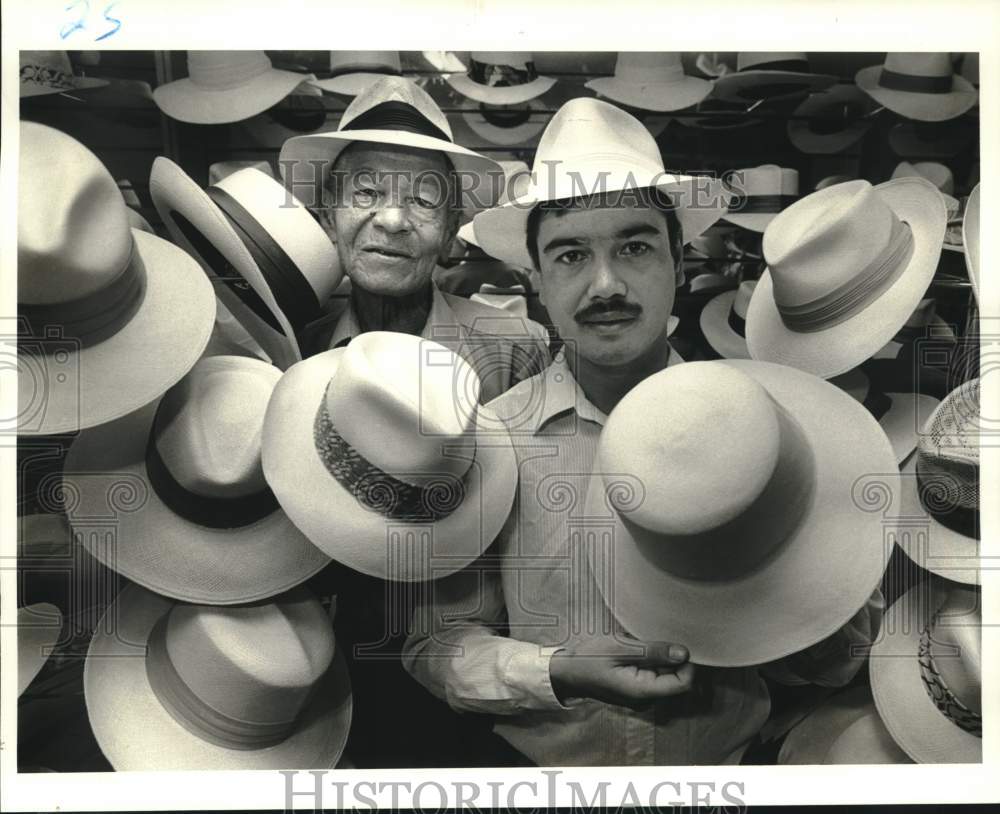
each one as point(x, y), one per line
point(479, 428)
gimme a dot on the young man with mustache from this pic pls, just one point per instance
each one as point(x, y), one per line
point(523, 633)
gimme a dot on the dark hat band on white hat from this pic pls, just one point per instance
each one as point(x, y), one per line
point(399, 116)
point(937, 689)
point(762, 204)
point(952, 503)
point(501, 76)
point(893, 80)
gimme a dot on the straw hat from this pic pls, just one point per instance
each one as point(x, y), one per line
point(226, 86)
point(941, 487)
point(607, 150)
point(381, 455)
point(38, 629)
point(970, 239)
point(763, 192)
point(866, 741)
point(222, 169)
point(174, 687)
point(846, 267)
point(280, 263)
point(768, 75)
point(833, 180)
point(500, 78)
point(807, 743)
point(651, 81)
point(723, 321)
point(111, 317)
point(926, 672)
point(205, 526)
point(391, 111)
point(830, 121)
point(352, 72)
point(45, 72)
point(921, 86)
point(519, 125)
point(935, 172)
point(736, 534)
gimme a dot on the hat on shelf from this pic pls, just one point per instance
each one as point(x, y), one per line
point(500, 78)
point(352, 72)
point(830, 121)
point(935, 172)
point(46, 72)
point(723, 321)
point(651, 81)
point(766, 75)
point(762, 193)
point(920, 86)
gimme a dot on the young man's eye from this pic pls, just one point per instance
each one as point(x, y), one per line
point(570, 258)
point(635, 248)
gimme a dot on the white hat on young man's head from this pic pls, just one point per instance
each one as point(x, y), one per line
point(921, 86)
point(652, 80)
point(110, 317)
point(846, 267)
point(591, 146)
point(353, 72)
point(501, 78)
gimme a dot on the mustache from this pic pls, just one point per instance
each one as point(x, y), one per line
point(602, 307)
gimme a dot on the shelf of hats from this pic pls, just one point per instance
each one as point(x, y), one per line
point(199, 381)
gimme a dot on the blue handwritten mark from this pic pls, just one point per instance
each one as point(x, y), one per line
point(76, 25)
point(80, 23)
point(118, 23)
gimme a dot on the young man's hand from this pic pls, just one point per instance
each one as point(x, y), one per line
point(626, 673)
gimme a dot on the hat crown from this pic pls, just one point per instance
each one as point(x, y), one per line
point(648, 67)
point(220, 70)
point(223, 169)
point(397, 89)
point(208, 426)
point(255, 663)
point(935, 172)
point(760, 60)
point(919, 64)
point(514, 59)
point(826, 240)
point(954, 640)
point(949, 445)
point(364, 61)
point(73, 235)
point(50, 60)
point(401, 401)
point(768, 179)
point(741, 302)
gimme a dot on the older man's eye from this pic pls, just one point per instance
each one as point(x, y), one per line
point(424, 202)
point(364, 195)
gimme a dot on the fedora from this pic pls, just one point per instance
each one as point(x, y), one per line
point(519, 125)
point(941, 487)
point(924, 323)
point(651, 81)
point(923, 140)
point(830, 121)
point(609, 151)
point(866, 741)
point(393, 111)
point(38, 629)
point(500, 78)
point(109, 317)
point(352, 72)
point(921, 86)
point(206, 527)
point(970, 239)
point(735, 533)
point(808, 741)
point(171, 686)
point(762, 193)
point(517, 176)
point(846, 267)
point(970, 68)
point(45, 72)
point(926, 670)
point(222, 169)
point(723, 321)
point(226, 86)
point(381, 456)
point(722, 115)
point(935, 172)
point(768, 75)
point(277, 265)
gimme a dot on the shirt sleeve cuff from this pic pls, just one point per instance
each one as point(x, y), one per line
point(528, 672)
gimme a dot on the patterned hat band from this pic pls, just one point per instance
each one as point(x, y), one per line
point(376, 489)
point(50, 77)
point(944, 699)
point(502, 76)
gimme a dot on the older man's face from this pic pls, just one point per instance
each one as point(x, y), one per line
point(393, 221)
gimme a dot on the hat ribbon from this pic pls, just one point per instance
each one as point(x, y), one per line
point(211, 512)
point(941, 496)
point(790, 65)
point(914, 84)
point(737, 323)
point(396, 116)
point(92, 318)
point(49, 77)
point(203, 720)
point(857, 293)
point(348, 70)
point(761, 204)
point(501, 76)
point(944, 699)
point(378, 490)
point(291, 290)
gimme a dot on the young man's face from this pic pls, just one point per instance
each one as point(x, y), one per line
point(607, 279)
point(393, 221)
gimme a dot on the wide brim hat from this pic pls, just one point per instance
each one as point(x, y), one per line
point(807, 743)
point(136, 733)
point(75, 387)
point(902, 700)
point(359, 537)
point(928, 107)
point(180, 201)
point(523, 135)
point(837, 349)
point(909, 139)
point(38, 630)
point(659, 97)
point(348, 84)
point(733, 87)
point(48, 79)
point(188, 102)
point(865, 742)
point(806, 138)
point(512, 95)
point(715, 327)
point(806, 589)
point(970, 239)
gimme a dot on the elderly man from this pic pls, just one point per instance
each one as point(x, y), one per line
point(509, 635)
point(390, 187)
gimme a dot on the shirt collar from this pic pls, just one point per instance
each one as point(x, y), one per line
point(441, 325)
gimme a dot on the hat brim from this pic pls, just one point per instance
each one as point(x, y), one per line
point(502, 231)
point(513, 95)
point(906, 709)
point(733, 87)
point(174, 192)
point(947, 142)
point(348, 84)
point(30, 89)
point(807, 140)
point(844, 346)
point(940, 550)
point(523, 135)
point(162, 551)
point(38, 629)
point(809, 740)
point(658, 97)
point(970, 239)
point(75, 388)
point(335, 521)
point(187, 102)
point(865, 742)
point(805, 590)
point(136, 733)
point(926, 107)
point(714, 322)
